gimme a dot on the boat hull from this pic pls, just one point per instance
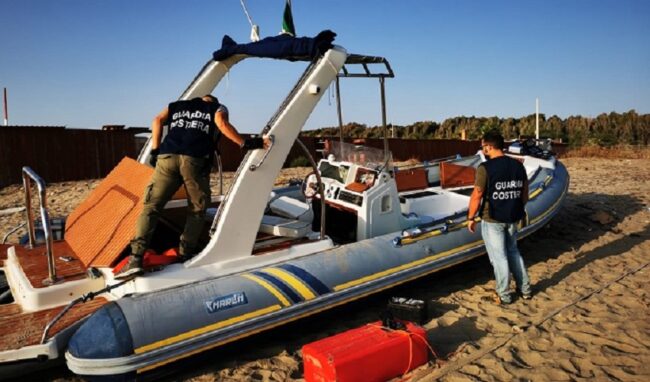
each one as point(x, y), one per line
point(141, 332)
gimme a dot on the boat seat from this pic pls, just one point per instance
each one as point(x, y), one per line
point(292, 208)
point(411, 179)
point(279, 226)
point(413, 219)
point(454, 175)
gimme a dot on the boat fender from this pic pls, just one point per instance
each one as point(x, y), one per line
point(105, 334)
point(39, 238)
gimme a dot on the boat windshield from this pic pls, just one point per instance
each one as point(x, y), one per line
point(363, 156)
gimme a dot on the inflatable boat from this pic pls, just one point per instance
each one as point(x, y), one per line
point(356, 225)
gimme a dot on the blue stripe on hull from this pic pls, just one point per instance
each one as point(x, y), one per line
point(307, 277)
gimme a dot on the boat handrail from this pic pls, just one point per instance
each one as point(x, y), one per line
point(28, 175)
point(254, 167)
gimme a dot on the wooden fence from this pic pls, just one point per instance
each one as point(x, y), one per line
point(59, 154)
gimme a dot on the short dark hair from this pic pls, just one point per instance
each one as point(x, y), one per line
point(212, 98)
point(494, 138)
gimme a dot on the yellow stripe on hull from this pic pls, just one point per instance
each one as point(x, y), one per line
point(402, 267)
point(270, 288)
point(291, 280)
point(206, 329)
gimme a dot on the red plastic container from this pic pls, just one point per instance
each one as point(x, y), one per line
point(368, 353)
point(152, 259)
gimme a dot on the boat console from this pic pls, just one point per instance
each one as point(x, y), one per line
point(360, 193)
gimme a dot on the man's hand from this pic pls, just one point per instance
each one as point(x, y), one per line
point(153, 157)
point(471, 226)
point(267, 142)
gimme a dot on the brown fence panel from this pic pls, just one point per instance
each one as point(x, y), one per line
point(59, 154)
point(402, 149)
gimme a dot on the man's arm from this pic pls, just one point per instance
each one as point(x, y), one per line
point(474, 205)
point(480, 184)
point(221, 118)
point(224, 125)
point(156, 128)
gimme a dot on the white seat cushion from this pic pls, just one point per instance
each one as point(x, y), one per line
point(277, 226)
point(292, 208)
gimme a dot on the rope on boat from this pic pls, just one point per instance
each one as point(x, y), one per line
point(255, 30)
point(84, 298)
point(507, 339)
point(4, 240)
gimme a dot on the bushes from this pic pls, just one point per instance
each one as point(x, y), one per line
point(605, 130)
point(612, 152)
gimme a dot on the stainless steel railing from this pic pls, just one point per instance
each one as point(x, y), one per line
point(28, 176)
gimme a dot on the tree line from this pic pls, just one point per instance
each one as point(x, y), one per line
point(605, 130)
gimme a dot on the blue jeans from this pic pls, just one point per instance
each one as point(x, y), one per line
point(501, 245)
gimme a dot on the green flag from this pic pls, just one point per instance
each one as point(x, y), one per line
point(287, 21)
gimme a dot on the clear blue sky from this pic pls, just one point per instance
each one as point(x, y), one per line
point(86, 63)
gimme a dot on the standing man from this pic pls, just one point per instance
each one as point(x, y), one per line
point(502, 185)
point(184, 158)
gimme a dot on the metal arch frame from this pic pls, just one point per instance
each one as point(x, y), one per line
point(364, 61)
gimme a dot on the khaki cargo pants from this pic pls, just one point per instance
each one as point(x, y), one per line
point(172, 171)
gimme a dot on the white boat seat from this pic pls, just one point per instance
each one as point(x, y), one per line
point(413, 219)
point(291, 208)
point(278, 226)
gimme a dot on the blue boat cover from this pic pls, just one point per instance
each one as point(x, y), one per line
point(283, 47)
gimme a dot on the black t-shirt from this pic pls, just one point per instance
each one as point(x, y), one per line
point(506, 178)
point(192, 129)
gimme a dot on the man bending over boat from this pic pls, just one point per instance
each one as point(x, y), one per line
point(502, 185)
point(184, 157)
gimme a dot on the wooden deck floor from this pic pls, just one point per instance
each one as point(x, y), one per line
point(19, 329)
point(34, 263)
point(3, 252)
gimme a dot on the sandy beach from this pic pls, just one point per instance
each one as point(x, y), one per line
point(589, 318)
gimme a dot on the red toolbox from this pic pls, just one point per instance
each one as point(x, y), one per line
point(368, 353)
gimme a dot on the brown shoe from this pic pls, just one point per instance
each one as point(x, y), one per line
point(132, 268)
point(498, 300)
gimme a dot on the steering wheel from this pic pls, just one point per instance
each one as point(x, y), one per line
point(309, 187)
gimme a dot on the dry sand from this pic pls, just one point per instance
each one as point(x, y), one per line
point(589, 318)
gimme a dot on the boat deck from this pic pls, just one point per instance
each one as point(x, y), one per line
point(18, 328)
point(3, 252)
point(21, 329)
point(34, 263)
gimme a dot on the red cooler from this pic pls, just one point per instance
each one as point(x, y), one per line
point(368, 353)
